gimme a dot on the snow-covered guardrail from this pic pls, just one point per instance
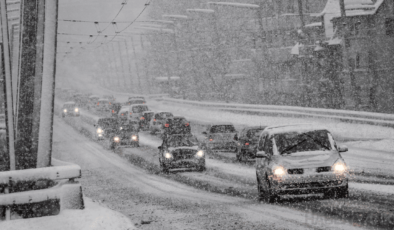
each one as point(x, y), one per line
point(64, 190)
point(293, 111)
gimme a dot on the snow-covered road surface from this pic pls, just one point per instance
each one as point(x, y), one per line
point(103, 171)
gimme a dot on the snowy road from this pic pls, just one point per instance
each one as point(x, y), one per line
point(109, 178)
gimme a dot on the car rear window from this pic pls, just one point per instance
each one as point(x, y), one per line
point(132, 102)
point(107, 123)
point(222, 129)
point(140, 109)
point(163, 115)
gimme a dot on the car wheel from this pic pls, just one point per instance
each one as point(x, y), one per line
point(260, 193)
point(201, 168)
point(238, 155)
point(269, 196)
point(112, 146)
point(63, 115)
point(342, 192)
point(163, 168)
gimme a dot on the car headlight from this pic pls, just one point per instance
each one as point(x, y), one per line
point(99, 130)
point(279, 171)
point(116, 139)
point(76, 110)
point(65, 110)
point(200, 153)
point(168, 155)
point(339, 166)
point(134, 138)
point(121, 128)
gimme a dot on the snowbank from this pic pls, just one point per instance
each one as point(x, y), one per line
point(92, 217)
point(376, 188)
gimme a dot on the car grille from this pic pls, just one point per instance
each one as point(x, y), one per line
point(312, 185)
point(181, 154)
point(323, 169)
point(295, 171)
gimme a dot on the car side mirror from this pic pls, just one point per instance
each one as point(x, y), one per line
point(343, 148)
point(261, 154)
point(205, 133)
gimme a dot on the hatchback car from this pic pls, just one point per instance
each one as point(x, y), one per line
point(70, 109)
point(181, 151)
point(135, 112)
point(300, 159)
point(103, 105)
point(145, 120)
point(105, 127)
point(93, 99)
point(115, 108)
point(175, 125)
point(156, 124)
point(220, 137)
point(126, 135)
point(247, 141)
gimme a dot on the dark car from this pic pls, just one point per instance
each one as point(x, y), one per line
point(126, 135)
point(176, 125)
point(145, 120)
point(156, 124)
point(70, 109)
point(115, 108)
point(247, 141)
point(181, 151)
point(93, 99)
point(105, 127)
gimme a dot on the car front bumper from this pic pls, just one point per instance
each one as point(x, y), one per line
point(184, 163)
point(225, 145)
point(306, 184)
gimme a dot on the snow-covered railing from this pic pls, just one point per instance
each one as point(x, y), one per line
point(379, 119)
point(62, 175)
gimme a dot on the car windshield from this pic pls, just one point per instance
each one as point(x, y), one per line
point(139, 109)
point(69, 106)
point(107, 123)
point(287, 143)
point(137, 102)
point(182, 140)
point(222, 129)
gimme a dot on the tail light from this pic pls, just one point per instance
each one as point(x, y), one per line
point(187, 124)
point(142, 118)
point(98, 103)
point(122, 114)
point(167, 125)
point(113, 111)
point(154, 119)
point(110, 103)
point(131, 113)
point(211, 139)
point(143, 102)
point(246, 143)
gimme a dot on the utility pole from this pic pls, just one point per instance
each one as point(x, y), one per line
point(121, 65)
point(136, 66)
point(128, 59)
point(115, 63)
point(6, 76)
point(25, 154)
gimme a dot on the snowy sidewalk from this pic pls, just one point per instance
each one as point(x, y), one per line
point(94, 216)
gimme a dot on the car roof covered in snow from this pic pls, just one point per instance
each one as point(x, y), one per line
point(93, 96)
point(221, 123)
point(300, 128)
point(256, 127)
point(69, 103)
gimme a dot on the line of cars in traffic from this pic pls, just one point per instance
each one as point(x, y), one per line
point(290, 159)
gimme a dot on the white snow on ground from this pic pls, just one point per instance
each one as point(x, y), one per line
point(377, 188)
point(341, 129)
point(382, 145)
point(94, 216)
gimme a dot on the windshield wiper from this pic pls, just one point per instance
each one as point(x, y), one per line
point(291, 147)
point(317, 141)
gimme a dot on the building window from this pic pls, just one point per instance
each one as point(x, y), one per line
point(357, 61)
point(357, 26)
point(389, 23)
